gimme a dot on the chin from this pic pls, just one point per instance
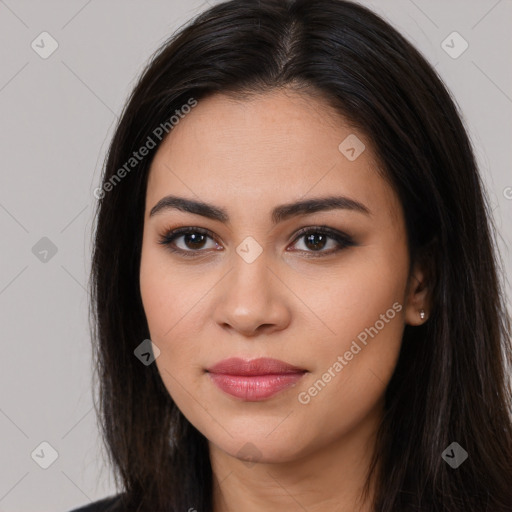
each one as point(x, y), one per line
point(251, 448)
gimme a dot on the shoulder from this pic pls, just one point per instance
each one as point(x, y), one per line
point(104, 505)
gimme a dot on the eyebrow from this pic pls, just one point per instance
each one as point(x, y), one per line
point(279, 213)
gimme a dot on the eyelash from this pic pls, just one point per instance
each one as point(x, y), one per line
point(342, 239)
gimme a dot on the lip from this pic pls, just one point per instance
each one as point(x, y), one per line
point(254, 380)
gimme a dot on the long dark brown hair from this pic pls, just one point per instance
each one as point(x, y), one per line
point(451, 382)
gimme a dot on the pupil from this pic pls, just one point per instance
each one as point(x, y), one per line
point(315, 239)
point(193, 238)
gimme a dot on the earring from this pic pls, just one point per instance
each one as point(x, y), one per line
point(422, 314)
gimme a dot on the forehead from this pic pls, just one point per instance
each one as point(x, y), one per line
point(276, 145)
point(258, 128)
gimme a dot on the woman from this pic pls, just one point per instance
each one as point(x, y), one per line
point(296, 298)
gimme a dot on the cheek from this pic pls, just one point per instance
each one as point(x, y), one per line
point(352, 369)
point(364, 342)
point(172, 306)
point(362, 306)
point(355, 296)
point(167, 295)
point(167, 319)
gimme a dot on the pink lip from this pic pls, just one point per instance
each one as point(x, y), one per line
point(254, 380)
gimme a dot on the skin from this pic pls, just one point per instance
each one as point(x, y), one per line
point(248, 157)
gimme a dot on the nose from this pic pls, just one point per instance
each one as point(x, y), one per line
point(252, 299)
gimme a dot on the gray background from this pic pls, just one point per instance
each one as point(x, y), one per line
point(57, 117)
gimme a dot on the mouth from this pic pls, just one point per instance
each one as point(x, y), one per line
point(254, 380)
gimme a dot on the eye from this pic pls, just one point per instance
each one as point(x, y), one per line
point(315, 239)
point(191, 241)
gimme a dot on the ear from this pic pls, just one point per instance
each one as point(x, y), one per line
point(420, 286)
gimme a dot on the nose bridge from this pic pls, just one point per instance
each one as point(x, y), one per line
point(250, 295)
point(249, 280)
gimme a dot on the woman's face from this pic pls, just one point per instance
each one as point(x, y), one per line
point(331, 302)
